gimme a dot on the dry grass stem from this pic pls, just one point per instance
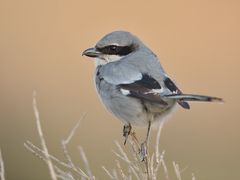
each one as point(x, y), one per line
point(120, 170)
point(177, 170)
point(107, 172)
point(69, 170)
point(134, 164)
point(193, 176)
point(72, 132)
point(147, 169)
point(124, 155)
point(67, 140)
point(2, 170)
point(39, 153)
point(43, 143)
point(86, 163)
point(115, 174)
point(158, 141)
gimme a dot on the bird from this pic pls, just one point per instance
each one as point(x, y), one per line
point(132, 83)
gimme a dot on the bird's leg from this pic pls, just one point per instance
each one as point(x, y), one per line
point(148, 131)
point(144, 145)
point(144, 151)
point(126, 131)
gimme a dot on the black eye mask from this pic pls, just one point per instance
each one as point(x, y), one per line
point(116, 50)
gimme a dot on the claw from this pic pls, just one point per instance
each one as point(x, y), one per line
point(126, 131)
point(144, 145)
point(143, 151)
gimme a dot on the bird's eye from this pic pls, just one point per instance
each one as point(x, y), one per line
point(116, 50)
point(113, 48)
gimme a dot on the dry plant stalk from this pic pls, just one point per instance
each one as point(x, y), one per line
point(137, 167)
point(43, 143)
point(58, 169)
point(2, 170)
point(128, 165)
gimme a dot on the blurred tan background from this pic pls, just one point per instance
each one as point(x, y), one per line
point(40, 49)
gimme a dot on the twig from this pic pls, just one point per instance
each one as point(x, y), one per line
point(158, 142)
point(134, 165)
point(107, 172)
point(72, 132)
point(134, 172)
point(64, 175)
point(193, 176)
point(67, 140)
point(162, 161)
point(151, 166)
point(160, 156)
point(2, 170)
point(120, 170)
point(124, 155)
point(61, 174)
point(42, 153)
point(147, 167)
point(177, 170)
point(115, 174)
point(67, 155)
point(43, 143)
point(38, 152)
point(87, 167)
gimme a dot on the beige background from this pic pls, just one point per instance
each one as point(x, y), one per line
point(40, 46)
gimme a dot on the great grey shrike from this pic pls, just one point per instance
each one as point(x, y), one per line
point(132, 84)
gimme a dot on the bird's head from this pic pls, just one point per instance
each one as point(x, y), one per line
point(113, 47)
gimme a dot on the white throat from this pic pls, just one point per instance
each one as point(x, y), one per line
point(106, 59)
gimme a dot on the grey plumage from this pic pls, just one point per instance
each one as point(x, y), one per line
point(132, 83)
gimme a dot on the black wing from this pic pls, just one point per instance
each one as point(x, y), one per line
point(145, 89)
point(174, 89)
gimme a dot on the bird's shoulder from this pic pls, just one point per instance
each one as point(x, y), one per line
point(118, 73)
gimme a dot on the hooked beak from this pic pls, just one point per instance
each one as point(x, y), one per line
point(91, 52)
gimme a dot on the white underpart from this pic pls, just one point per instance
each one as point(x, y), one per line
point(155, 91)
point(125, 92)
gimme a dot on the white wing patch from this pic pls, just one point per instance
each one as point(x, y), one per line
point(155, 91)
point(125, 92)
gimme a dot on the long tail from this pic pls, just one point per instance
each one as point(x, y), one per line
point(193, 97)
point(182, 98)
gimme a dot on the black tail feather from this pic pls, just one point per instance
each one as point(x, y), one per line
point(184, 104)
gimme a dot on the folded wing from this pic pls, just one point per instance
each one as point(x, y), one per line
point(147, 88)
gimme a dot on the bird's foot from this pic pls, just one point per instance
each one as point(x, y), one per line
point(143, 151)
point(126, 131)
point(144, 145)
